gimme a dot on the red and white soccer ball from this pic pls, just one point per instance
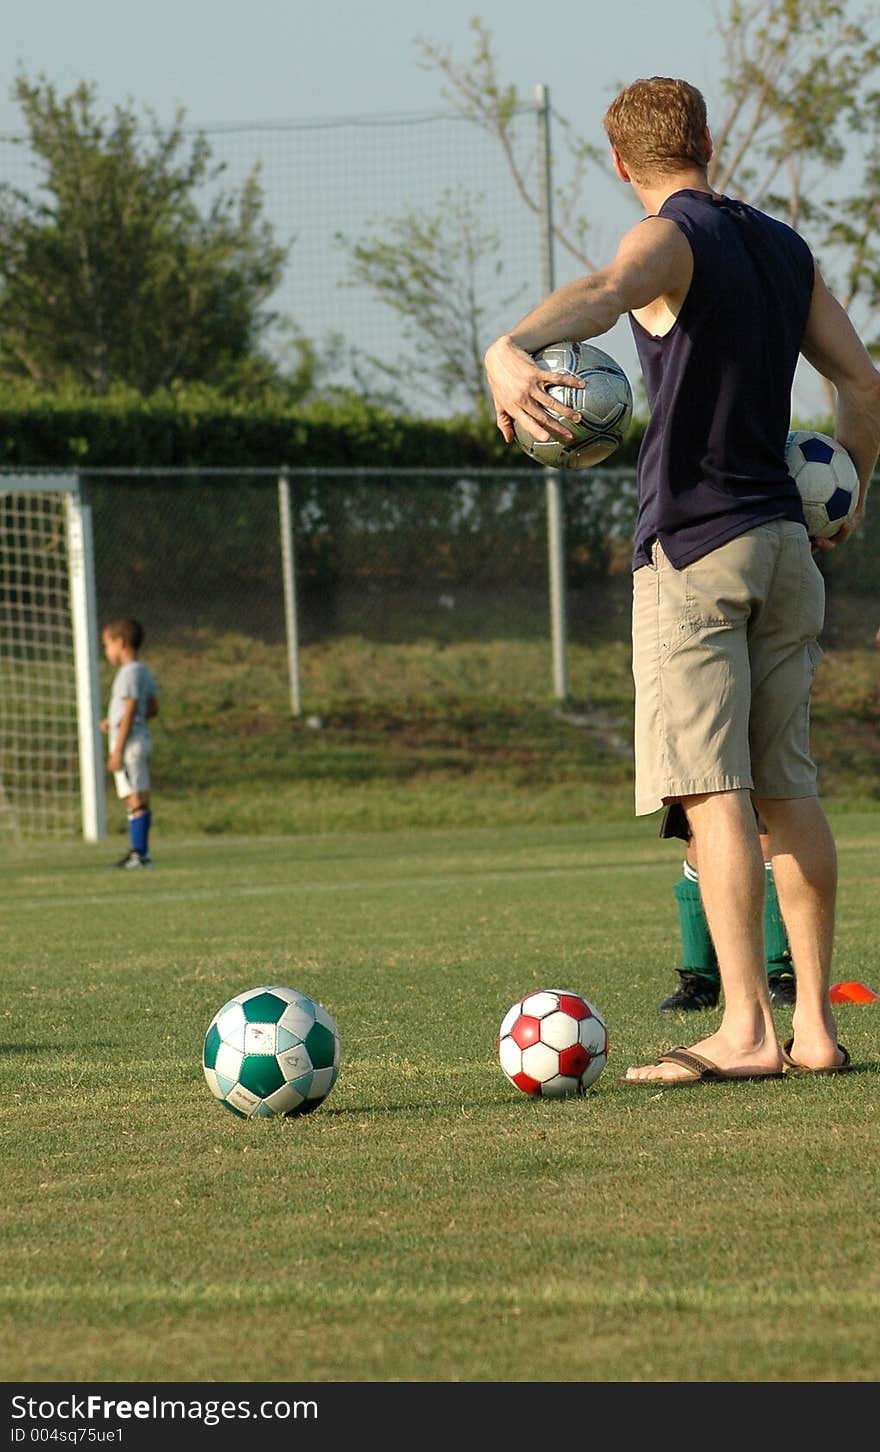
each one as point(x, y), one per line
point(553, 1043)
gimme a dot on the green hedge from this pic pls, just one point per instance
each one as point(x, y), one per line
point(197, 428)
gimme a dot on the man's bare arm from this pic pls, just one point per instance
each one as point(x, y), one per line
point(653, 261)
point(835, 349)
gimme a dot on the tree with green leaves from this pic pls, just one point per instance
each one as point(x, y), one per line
point(439, 273)
point(802, 113)
point(128, 265)
point(800, 99)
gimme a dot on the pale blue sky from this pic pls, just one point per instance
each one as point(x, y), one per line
point(244, 60)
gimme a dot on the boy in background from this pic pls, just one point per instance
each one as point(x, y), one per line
point(134, 700)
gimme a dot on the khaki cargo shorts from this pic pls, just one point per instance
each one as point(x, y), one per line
point(724, 655)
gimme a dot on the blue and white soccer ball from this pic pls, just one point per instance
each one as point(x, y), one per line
point(605, 407)
point(269, 1051)
point(826, 479)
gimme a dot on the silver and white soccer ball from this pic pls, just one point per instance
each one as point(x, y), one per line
point(269, 1051)
point(553, 1043)
point(826, 479)
point(605, 406)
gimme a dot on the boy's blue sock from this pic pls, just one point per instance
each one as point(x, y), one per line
point(139, 832)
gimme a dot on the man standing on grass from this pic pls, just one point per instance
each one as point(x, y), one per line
point(727, 599)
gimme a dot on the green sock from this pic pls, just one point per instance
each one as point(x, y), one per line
point(776, 949)
point(696, 941)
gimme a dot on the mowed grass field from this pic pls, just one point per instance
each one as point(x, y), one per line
point(428, 1222)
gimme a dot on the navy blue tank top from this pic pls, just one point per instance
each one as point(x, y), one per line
point(712, 463)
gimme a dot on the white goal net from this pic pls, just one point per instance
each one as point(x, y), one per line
point(51, 782)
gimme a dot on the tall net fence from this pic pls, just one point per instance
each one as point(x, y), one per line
point(331, 185)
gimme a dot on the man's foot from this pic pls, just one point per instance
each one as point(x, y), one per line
point(135, 859)
point(696, 1070)
point(839, 1063)
point(713, 1058)
point(782, 988)
point(694, 992)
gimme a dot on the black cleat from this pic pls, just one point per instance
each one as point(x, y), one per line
point(693, 993)
point(783, 989)
point(135, 859)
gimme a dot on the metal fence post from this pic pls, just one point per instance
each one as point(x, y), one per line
point(289, 578)
point(556, 552)
point(555, 498)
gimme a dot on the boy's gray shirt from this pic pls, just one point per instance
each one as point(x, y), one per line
point(136, 681)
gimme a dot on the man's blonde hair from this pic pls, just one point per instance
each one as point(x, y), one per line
point(658, 126)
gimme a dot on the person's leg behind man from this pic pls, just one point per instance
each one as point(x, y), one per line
point(699, 982)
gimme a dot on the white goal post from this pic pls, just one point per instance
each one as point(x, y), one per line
point(51, 748)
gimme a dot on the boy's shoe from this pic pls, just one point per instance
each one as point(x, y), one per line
point(693, 993)
point(783, 989)
point(135, 859)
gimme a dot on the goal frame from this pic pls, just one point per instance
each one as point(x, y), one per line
point(84, 628)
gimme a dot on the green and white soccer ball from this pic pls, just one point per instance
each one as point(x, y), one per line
point(271, 1051)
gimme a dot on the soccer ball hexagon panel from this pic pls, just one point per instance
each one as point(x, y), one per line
point(271, 1050)
point(553, 1043)
point(826, 479)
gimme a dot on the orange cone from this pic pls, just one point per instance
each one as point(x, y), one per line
point(853, 993)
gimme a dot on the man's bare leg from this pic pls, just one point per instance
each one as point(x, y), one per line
point(732, 887)
point(805, 869)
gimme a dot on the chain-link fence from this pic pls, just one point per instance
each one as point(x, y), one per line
point(295, 557)
point(378, 554)
point(383, 554)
